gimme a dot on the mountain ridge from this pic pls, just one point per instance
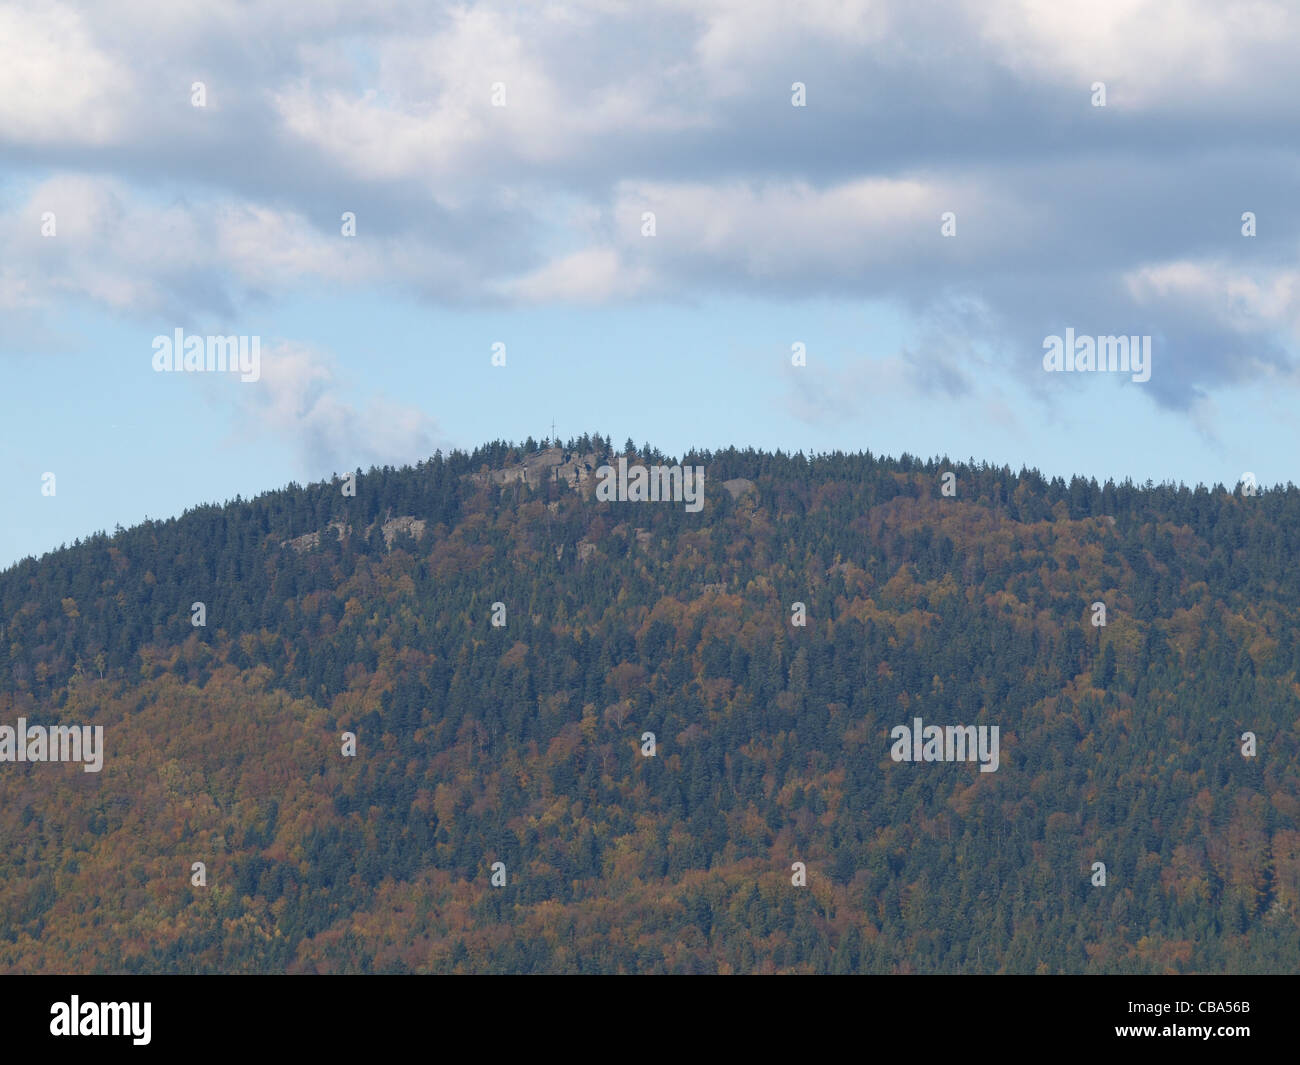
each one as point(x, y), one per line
point(522, 743)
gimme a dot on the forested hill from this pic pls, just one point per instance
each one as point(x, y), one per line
point(366, 605)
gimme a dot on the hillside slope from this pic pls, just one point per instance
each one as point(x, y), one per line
point(521, 743)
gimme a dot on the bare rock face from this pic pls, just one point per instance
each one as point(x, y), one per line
point(576, 470)
point(553, 464)
point(392, 529)
point(311, 540)
point(302, 543)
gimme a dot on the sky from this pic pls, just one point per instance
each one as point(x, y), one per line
point(654, 210)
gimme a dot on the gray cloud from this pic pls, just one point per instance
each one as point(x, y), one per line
point(1117, 219)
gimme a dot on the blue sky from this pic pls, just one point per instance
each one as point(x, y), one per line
point(523, 224)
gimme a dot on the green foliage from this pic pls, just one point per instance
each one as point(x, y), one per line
point(522, 744)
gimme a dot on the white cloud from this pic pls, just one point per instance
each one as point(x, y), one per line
point(788, 229)
point(1235, 298)
point(429, 115)
point(300, 401)
point(742, 43)
point(594, 275)
point(129, 253)
point(56, 85)
point(1149, 52)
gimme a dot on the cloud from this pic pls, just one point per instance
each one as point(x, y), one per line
point(595, 275)
point(301, 402)
point(953, 358)
point(789, 232)
point(56, 84)
point(119, 248)
point(1142, 49)
point(1239, 301)
point(1115, 219)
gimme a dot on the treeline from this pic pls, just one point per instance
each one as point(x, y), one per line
point(521, 743)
